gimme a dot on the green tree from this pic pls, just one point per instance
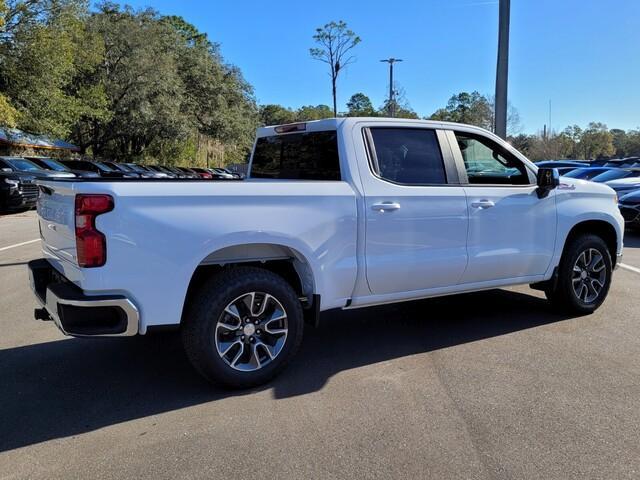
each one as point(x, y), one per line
point(45, 54)
point(400, 108)
point(165, 83)
point(522, 142)
point(619, 138)
point(3, 11)
point(597, 141)
point(310, 112)
point(359, 105)
point(632, 144)
point(276, 115)
point(8, 114)
point(471, 108)
point(335, 40)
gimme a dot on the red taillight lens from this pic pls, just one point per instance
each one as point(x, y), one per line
point(91, 244)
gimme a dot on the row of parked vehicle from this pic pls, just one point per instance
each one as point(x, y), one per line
point(623, 175)
point(18, 190)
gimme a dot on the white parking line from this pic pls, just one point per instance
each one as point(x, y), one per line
point(630, 268)
point(19, 244)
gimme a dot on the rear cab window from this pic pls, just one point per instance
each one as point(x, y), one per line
point(297, 156)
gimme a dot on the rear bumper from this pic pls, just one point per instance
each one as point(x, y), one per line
point(77, 314)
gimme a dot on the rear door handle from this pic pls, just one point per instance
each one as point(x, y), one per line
point(385, 206)
point(482, 204)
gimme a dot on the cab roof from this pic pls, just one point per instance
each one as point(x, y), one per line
point(335, 123)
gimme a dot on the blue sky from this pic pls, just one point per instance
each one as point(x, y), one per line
point(582, 55)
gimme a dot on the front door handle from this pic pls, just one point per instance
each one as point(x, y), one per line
point(385, 206)
point(482, 204)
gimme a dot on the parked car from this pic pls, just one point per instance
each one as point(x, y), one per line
point(587, 173)
point(122, 168)
point(146, 172)
point(622, 162)
point(352, 213)
point(56, 166)
point(18, 191)
point(97, 167)
point(188, 173)
point(182, 174)
point(616, 174)
point(629, 205)
point(223, 173)
point(562, 164)
point(161, 169)
point(17, 164)
point(237, 175)
point(203, 172)
point(624, 185)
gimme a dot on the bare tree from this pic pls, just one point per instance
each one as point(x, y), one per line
point(335, 40)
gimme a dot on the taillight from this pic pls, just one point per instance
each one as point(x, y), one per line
point(91, 244)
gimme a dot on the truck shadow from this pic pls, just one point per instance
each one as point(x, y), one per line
point(67, 387)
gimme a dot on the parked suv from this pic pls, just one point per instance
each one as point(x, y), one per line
point(97, 167)
point(18, 191)
point(56, 166)
point(17, 164)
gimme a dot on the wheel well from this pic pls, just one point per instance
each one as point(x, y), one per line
point(600, 228)
point(289, 264)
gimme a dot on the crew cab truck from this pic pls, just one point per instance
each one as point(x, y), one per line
point(334, 214)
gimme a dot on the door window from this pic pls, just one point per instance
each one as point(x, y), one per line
point(486, 162)
point(409, 156)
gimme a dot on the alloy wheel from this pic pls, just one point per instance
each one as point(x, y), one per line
point(251, 331)
point(589, 275)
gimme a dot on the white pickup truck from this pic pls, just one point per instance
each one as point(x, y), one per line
point(334, 214)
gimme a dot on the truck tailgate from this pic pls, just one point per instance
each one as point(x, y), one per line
point(56, 215)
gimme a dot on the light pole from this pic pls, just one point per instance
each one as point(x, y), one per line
point(502, 70)
point(391, 61)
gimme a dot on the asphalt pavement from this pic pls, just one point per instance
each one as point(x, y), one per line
point(486, 385)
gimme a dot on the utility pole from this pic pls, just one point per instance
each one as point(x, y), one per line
point(502, 70)
point(391, 61)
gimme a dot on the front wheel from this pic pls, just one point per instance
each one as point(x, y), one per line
point(244, 327)
point(584, 276)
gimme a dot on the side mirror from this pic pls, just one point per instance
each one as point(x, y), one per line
point(548, 179)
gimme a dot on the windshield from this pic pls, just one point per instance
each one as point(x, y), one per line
point(54, 165)
point(117, 166)
point(136, 168)
point(22, 165)
point(612, 175)
point(103, 167)
point(586, 173)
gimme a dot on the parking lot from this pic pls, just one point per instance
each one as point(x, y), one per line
point(491, 384)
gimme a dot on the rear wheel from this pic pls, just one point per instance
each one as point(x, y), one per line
point(244, 327)
point(584, 275)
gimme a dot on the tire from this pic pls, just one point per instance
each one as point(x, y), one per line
point(588, 295)
point(216, 327)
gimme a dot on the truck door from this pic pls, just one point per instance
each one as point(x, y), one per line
point(511, 231)
point(416, 212)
